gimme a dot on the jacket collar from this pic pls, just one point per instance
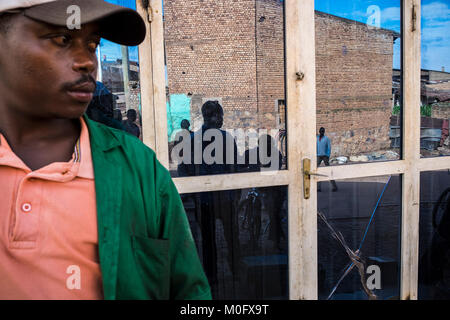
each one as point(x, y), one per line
point(101, 137)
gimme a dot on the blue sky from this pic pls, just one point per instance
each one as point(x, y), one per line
point(435, 27)
point(436, 35)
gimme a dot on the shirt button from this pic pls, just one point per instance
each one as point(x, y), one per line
point(26, 207)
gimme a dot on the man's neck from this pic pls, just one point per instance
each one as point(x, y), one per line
point(23, 130)
point(39, 141)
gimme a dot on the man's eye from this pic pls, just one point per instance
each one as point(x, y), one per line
point(93, 45)
point(61, 40)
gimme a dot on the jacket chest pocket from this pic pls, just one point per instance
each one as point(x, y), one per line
point(153, 263)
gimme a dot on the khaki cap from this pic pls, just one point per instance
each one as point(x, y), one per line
point(117, 24)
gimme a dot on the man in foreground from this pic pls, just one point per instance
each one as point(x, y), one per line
point(86, 211)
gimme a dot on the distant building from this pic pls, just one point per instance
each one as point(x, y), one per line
point(435, 86)
point(112, 78)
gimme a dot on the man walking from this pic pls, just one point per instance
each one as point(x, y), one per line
point(87, 211)
point(323, 154)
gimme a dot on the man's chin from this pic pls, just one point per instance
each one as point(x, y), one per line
point(70, 113)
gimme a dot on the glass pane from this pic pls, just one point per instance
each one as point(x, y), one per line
point(434, 236)
point(117, 101)
point(231, 53)
point(359, 228)
point(241, 236)
point(435, 88)
point(358, 73)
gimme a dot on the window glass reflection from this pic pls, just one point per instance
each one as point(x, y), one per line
point(358, 79)
point(434, 236)
point(211, 150)
point(231, 52)
point(241, 236)
point(359, 239)
point(435, 78)
point(117, 99)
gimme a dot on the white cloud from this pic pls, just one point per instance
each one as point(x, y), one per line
point(435, 10)
point(436, 36)
point(390, 14)
point(439, 32)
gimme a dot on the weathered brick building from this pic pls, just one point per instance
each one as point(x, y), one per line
point(233, 51)
point(354, 83)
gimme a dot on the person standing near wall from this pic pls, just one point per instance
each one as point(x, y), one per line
point(323, 154)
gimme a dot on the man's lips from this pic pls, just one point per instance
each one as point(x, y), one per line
point(81, 96)
point(82, 93)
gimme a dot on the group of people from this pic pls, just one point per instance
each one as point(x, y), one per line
point(212, 113)
point(223, 205)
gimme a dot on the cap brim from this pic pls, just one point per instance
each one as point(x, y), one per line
point(117, 24)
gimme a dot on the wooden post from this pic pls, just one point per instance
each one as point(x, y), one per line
point(411, 150)
point(126, 76)
point(301, 124)
point(153, 81)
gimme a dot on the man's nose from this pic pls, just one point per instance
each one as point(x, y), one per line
point(84, 61)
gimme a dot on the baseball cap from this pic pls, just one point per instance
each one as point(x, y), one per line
point(118, 24)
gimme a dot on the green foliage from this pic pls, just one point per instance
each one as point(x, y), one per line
point(425, 110)
point(396, 110)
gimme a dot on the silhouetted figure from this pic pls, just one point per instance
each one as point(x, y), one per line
point(215, 205)
point(130, 125)
point(212, 113)
point(101, 107)
point(185, 125)
point(117, 115)
point(323, 154)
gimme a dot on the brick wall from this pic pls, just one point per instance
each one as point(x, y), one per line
point(270, 61)
point(441, 110)
point(354, 84)
point(234, 50)
point(210, 51)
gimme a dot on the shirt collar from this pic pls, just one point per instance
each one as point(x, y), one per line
point(84, 153)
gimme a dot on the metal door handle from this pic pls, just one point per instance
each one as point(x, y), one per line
point(307, 178)
point(314, 174)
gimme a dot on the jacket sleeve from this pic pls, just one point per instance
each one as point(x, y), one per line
point(187, 278)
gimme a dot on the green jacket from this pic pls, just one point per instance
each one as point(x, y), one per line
point(146, 246)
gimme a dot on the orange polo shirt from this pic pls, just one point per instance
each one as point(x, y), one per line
point(48, 227)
